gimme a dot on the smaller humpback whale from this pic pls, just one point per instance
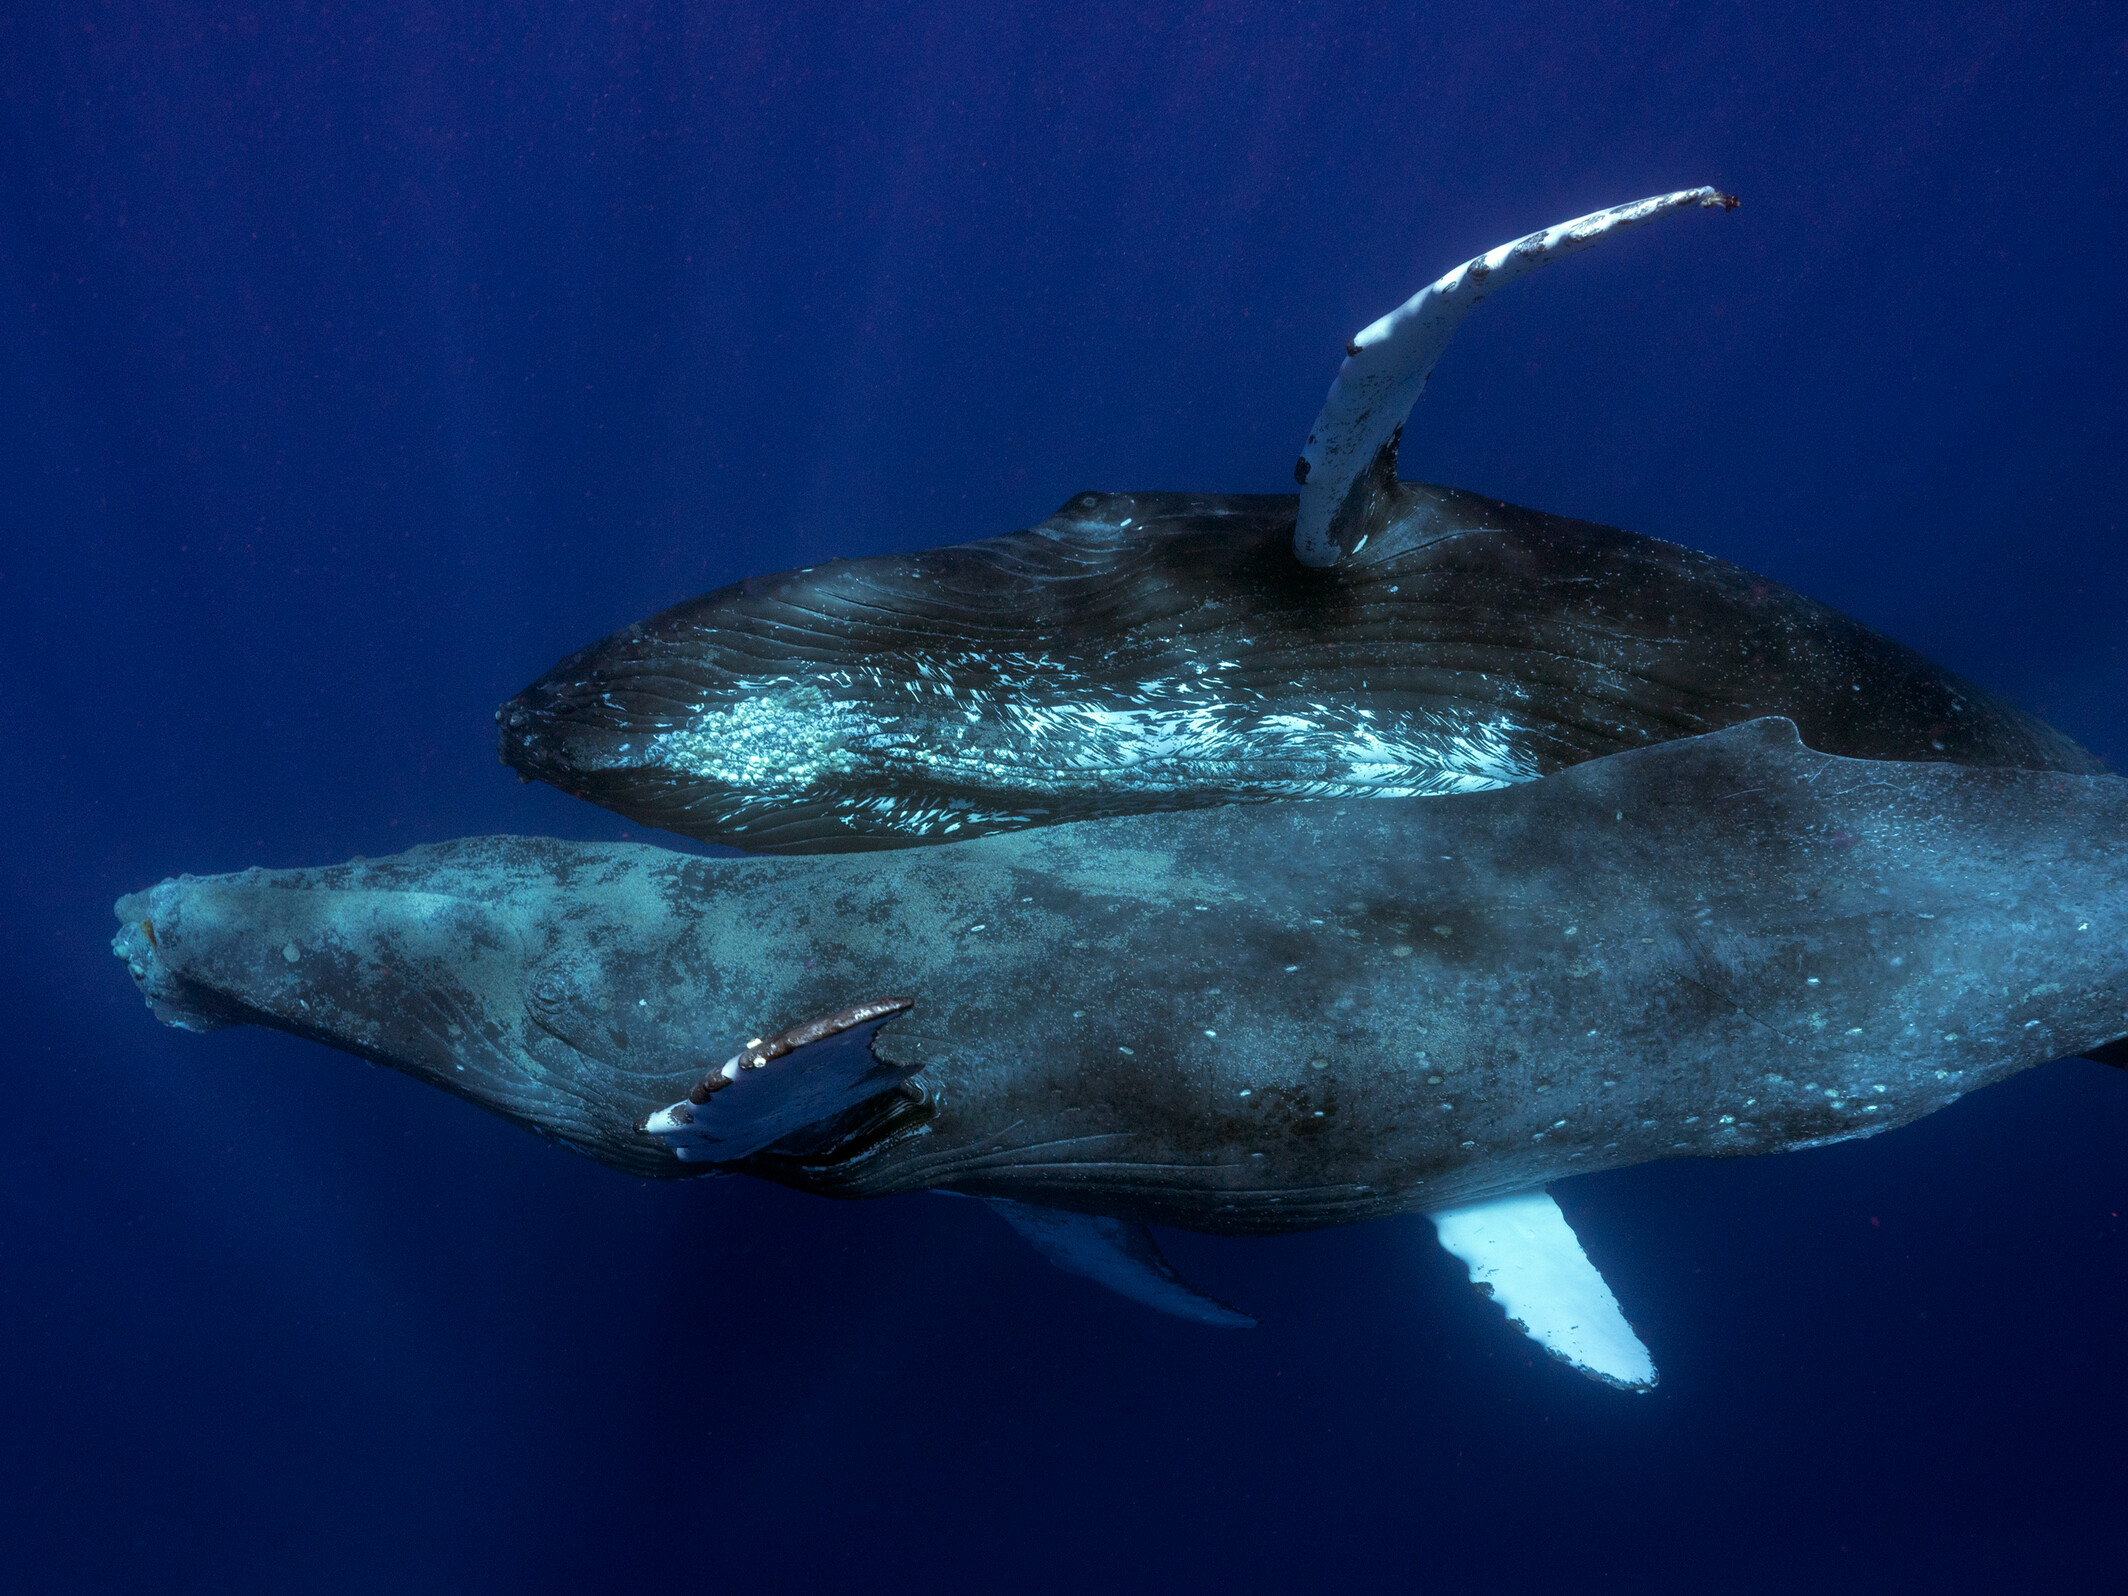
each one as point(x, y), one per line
point(1259, 1020)
point(1141, 652)
point(1145, 652)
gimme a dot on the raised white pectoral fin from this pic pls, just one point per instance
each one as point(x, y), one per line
point(1119, 1254)
point(1386, 364)
point(1522, 1253)
point(778, 1085)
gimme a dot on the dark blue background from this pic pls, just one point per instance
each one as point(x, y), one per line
point(357, 361)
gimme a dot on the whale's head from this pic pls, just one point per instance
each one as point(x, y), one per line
point(441, 963)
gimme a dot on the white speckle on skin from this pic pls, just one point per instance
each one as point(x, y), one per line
point(1211, 1033)
point(291, 953)
point(1127, 1052)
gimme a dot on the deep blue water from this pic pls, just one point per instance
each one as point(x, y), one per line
point(360, 360)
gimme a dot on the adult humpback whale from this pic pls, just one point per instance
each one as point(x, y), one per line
point(1245, 1021)
point(1155, 651)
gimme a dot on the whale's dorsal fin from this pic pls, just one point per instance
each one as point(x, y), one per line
point(778, 1085)
point(1522, 1253)
point(1387, 363)
point(1118, 1254)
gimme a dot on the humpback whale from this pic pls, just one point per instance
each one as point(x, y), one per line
point(1138, 652)
point(1143, 652)
point(1250, 1020)
point(1426, 850)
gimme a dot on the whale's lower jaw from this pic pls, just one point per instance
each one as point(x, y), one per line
point(1139, 653)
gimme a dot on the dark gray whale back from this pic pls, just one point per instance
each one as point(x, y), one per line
point(1147, 652)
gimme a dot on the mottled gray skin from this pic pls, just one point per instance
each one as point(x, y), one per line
point(1142, 652)
point(1253, 1019)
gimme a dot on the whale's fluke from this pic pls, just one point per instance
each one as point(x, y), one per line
point(1352, 445)
point(1118, 1254)
point(1523, 1254)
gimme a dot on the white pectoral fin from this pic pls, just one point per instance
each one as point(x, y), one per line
point(1387, 363)
point(1522, 1253)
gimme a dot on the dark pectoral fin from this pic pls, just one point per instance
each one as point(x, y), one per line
point(2114, 1053)
point(1118, 1254)
point(776, 1086)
